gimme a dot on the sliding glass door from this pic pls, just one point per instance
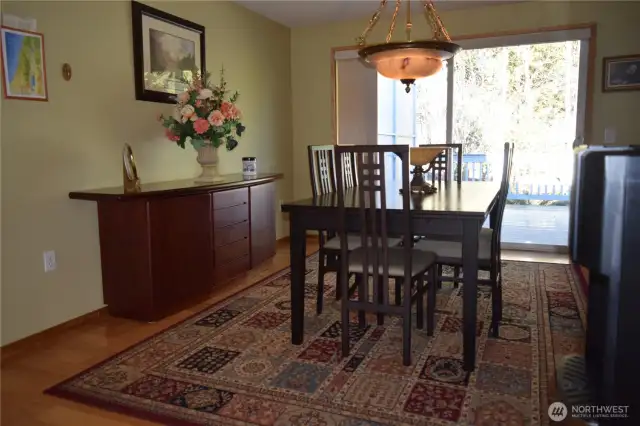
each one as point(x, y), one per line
point(528, 95)
point(527, 89)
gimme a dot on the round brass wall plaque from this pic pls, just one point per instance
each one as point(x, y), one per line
point(66, 72)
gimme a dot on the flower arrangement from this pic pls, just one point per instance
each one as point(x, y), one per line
point(204, 115)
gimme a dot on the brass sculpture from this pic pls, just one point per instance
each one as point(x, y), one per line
point(131, 181)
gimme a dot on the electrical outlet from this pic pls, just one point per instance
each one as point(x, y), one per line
point(49, 261)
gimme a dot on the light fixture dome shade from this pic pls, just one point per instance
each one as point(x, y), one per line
point(406, 67)
point(408, 60)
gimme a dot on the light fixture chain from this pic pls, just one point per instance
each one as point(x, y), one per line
point(409, 24)
point(439, 32)
point(392, 27)
point(372, 23)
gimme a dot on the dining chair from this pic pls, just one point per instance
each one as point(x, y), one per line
point(443, 169)
point(489, 257)
point(442, 166)
point(322, 168)
point(375, 261)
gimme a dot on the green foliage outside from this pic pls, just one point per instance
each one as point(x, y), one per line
point(521, 94)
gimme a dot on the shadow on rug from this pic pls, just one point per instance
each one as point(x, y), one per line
point(234, 364)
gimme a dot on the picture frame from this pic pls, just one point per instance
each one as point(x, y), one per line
point(621, 73)
point(24, 70)
point(166, 48)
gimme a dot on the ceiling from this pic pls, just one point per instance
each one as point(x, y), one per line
point(300, 13)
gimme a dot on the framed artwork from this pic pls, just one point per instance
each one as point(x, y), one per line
point(166, 50)
point(621, 73)
point(23, 65)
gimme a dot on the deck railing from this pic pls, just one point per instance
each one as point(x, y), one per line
point(476, 168)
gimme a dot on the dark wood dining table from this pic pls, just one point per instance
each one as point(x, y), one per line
point(460, 209)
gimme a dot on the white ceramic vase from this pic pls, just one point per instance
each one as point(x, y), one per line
point(208, 160)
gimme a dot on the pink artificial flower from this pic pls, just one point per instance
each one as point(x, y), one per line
point(216, 118)
point(183, 97)
point(230, 111)
point(226, 108)
point(198, 103)
point(200, 126)
point(171, 136)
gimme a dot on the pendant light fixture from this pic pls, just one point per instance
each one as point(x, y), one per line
point(408, 60)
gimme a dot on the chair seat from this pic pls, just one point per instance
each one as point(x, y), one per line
point(354, 241)
point(450, 252)
point(420, 262)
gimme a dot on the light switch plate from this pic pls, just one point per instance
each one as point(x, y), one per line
point(610, 135)
point(49, 261)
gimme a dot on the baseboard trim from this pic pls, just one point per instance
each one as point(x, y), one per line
point(31, 342)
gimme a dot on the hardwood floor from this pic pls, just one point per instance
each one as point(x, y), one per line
point(540, 257)
point(49, 359)
point(32, 368)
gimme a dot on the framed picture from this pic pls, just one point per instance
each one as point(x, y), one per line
point(621, 73)
point(166, 51)
point(23, 65)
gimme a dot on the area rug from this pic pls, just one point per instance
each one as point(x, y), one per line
point(234, 364)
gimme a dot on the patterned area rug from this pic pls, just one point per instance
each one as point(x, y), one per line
point(233, 364)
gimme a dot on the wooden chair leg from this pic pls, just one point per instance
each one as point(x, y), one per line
point(406, 324)
point(321, 271)
point(496, 300)
point(420, 303)
point(431, 300)
point(362, 319)
point(379, 315)
point(456, 274)
point(399, 282)
point(338, 288)
point(344, 319)
point(438, 275)
point(499, 297)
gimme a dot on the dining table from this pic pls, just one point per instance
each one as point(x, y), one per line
point(458, 209)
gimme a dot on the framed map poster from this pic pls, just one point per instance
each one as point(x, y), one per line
point(23, 65)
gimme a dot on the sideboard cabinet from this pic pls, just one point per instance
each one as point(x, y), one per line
point(173, 243)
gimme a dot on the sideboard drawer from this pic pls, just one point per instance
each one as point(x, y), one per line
point(232, 269)
point(230, 215)
point(230, 198)
point(231, 252)
point(231, 234)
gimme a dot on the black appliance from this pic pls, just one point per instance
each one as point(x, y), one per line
point(605, 238)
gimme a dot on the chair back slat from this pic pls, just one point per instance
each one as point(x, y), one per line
point(322, 169)
point(504, 192)
point(372, 206)
point(362, 202)
point(350, 175)
point(442, 169)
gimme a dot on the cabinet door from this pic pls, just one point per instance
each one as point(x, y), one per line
point(263, 222)
point(181, 250)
